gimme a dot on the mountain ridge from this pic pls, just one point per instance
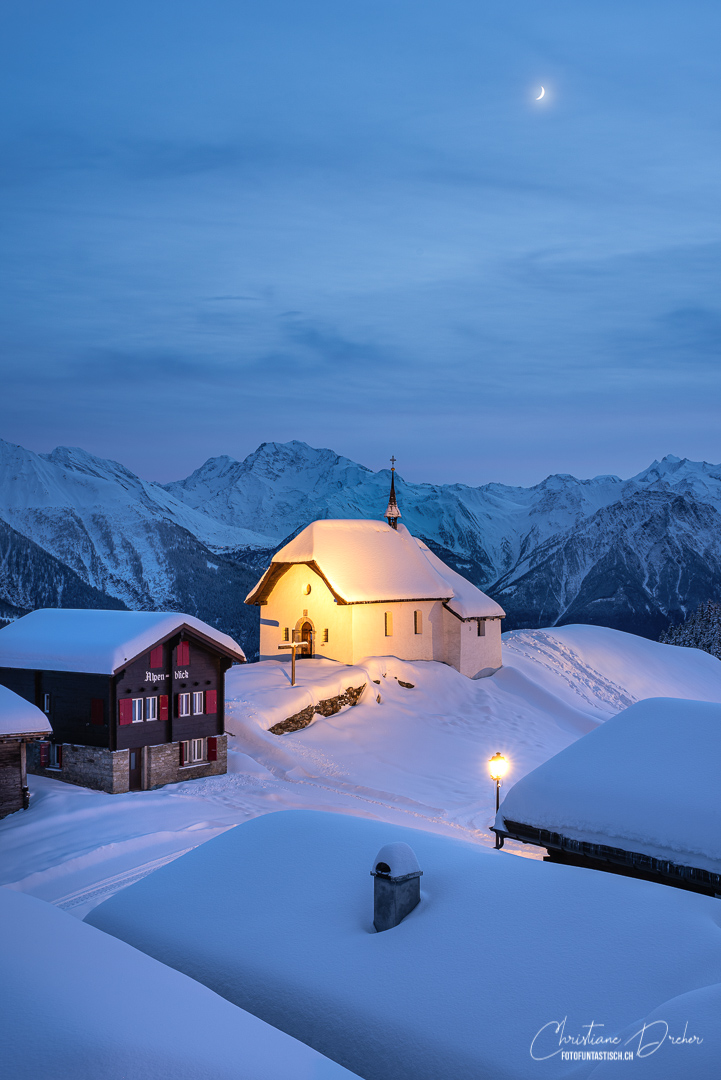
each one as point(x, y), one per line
point(632, 553)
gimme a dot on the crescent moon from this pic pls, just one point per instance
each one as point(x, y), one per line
point(543, 91)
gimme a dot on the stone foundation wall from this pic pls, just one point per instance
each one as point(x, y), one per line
point(327, 707)
point(107, 770)
point(162, 764)
point(88, 766)
point(11, 790)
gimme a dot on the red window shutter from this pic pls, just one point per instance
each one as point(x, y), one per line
point(211, 701)
point(182, 755)
point(156, 657)
point(125, 711)
point(44, 754)
point(183, 654)
point(163, 706)
point(60, 757)
point(212, 747)
point(97, 711)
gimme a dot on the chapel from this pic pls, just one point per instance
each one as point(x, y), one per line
point(355, 588)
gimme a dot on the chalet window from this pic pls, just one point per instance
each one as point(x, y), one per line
point(56, 756)
point(193, 751)
point(97, 711)
point(156, 657)
point(183, 704)
point(151, 708)
point(137, 710)
point(286, 634)
point(325, 637)
point(183, 654)
point(389, 623)
point(198, 703)
point(417, 622)
point(481, 628)
point(46, 703)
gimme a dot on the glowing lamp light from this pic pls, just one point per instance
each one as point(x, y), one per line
point(498, 767)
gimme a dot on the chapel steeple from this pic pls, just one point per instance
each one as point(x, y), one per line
point(393, 513)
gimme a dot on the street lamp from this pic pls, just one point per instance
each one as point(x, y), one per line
point(498, 767)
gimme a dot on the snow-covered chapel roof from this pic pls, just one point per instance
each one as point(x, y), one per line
point(19, 717)
point(366, 561)
point(96, 641)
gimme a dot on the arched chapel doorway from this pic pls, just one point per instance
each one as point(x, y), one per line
point(305, 633)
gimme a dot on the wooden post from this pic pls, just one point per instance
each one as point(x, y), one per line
point(293, 646)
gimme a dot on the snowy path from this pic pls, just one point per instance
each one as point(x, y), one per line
point(417, 759)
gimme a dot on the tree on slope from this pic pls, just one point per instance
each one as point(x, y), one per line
point(701, 630)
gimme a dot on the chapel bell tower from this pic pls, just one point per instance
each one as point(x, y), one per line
point(392, 513)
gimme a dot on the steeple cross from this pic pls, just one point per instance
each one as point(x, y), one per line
point(393, 462)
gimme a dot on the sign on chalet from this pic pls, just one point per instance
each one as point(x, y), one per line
point(135, 699)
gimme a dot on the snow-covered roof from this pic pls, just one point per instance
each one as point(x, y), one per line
point(73, 995)
point(644, 781)
point(19, 717)
point(95, 641)
point(499, 948)
point(467, 601)
point(367, 561)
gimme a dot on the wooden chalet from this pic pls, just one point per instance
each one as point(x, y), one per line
point(21, 724)
point(135, 699)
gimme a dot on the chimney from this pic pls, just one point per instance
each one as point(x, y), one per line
point(396, 885)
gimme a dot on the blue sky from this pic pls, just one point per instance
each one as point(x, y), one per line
point(352, 224)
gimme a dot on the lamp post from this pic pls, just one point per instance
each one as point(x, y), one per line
point(498, 767)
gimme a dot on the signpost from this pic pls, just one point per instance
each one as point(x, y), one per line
point(293, 646)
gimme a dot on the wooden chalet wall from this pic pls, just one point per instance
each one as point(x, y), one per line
point(204, 673)
point(72, 715)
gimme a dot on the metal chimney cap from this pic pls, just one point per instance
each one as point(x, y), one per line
point(396, 861)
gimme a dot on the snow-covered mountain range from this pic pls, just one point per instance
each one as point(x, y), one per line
point(631, 554)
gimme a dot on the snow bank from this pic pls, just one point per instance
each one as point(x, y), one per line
point(645, 781)
point(96, 641)
point(79, 1005)
point(19, 717)
point(268, 698)
point(498, 949)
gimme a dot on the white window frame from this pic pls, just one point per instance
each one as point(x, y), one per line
point(183, 704)
point(151, 708)
point(195, 752)
point(198, 699)
point(54, 753)
point(46, 703)
point(138, 710)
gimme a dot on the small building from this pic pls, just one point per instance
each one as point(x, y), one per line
point(639, 796)
point(20, 724)
point(356, 588)
point(135, 699)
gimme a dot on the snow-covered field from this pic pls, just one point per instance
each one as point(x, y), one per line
point(404, 756)
point(419, 758)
